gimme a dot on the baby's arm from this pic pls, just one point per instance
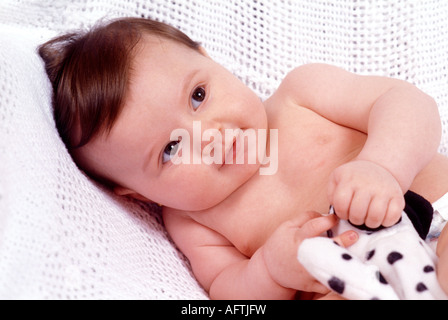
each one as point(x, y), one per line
point(272, 272)
point(403, 127)
point(223, 271)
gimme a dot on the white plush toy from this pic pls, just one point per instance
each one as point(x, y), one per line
point(385, 263)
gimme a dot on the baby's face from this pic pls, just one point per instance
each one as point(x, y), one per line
point(174, 87)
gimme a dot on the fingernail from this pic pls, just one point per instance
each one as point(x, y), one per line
point(353, 236)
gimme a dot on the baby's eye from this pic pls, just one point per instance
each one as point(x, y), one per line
point(198, 97)
point(170, 151)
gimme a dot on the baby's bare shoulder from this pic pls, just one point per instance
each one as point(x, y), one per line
point(301, 79)
point(187, 231)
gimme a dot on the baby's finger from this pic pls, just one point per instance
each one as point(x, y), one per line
point(303, 218)
point(317, 226)
point(377, 212)
point(342, 199)
point(347, 238)
point(394, 211)
point(317, 287)
point(359, 208)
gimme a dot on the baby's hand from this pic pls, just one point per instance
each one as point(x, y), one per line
point(365, 193)
point(280, 250)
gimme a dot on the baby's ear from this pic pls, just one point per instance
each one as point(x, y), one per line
point(121, 191)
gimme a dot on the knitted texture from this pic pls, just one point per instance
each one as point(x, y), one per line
point(62, 236)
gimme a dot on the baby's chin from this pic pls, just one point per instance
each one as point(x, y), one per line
point(218, 195)
point(206, 203)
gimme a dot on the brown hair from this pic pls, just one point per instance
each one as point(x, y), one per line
point(90, 73)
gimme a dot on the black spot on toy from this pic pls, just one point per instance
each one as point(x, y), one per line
point(394, 257)
point(337, 285)
point(421, 287)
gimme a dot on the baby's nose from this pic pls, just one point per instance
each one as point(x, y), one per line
point(211, 124)
point(208, 138)
point(212, 136)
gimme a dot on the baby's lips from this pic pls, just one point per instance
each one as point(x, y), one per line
point(229, 153)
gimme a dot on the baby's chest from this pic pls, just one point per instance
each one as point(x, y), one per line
point(256, 213)
point(310, 143)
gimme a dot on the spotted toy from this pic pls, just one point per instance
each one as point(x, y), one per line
point(385, 263)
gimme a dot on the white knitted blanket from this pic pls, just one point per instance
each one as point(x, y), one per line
point(64, 237)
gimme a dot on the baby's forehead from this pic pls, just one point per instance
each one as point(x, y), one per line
point(154, 46)
point(157, 59)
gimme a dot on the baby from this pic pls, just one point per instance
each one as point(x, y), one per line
point(144, 109)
